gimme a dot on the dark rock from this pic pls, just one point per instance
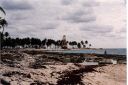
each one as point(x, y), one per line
point(5, 82)
point(38, 83)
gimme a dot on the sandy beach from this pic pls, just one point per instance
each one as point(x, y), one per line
point(19, 68)
point(106, 75)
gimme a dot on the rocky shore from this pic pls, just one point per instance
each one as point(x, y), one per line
point(21, 68)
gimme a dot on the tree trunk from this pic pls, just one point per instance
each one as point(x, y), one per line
point(0, 46)
point(0, 43)
point(3, 30)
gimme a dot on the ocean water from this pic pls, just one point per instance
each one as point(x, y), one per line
point(119, 51)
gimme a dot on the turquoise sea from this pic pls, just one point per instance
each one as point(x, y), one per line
point(118, 51)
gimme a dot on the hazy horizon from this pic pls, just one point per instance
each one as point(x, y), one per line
point(101, 22)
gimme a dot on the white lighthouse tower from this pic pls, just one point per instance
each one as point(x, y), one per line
point(64, 42)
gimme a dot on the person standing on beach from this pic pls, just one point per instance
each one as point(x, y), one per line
point(105, 52)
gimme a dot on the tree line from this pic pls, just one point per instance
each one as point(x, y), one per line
point(9, 42)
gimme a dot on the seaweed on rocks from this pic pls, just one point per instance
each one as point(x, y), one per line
point(38, 83)
point(74, 77)
point(11, 59)
point(39, 63)
point(13, 73)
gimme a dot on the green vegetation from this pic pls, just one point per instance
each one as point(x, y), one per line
point(9, 42)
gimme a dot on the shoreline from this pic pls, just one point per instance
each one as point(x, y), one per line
point(65, 51)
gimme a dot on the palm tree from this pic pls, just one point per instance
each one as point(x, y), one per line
point(4, 38)
point(79, 45)
point(44, 42)
point(3, 23)
point(1, 9)
point(6, 34)
point(82, 42)
point(86, 42)
point(90, 45)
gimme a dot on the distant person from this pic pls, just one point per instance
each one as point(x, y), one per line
point(105, 52)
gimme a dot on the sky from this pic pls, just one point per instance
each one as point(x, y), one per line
point(101, 22)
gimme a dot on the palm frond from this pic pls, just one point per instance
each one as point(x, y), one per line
point(2, 10)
